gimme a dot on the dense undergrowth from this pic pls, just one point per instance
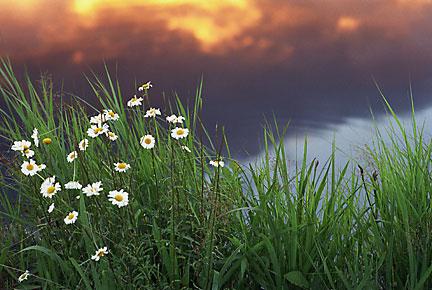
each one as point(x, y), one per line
point(189, 224)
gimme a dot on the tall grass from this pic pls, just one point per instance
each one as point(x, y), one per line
point(189, 225)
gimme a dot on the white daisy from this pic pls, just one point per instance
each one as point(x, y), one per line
point(96, 130)
point(147, 141)
point(152, 112)
point(217, 163)
point(35, 137)
point(119, 198)
point(121, 166)
point(174, 119)
point(51, 208)
point(180, 119)
point(100, 253)
point(185, 148)
point(112, 136)
point(28, 153)
point(97, 119)
point(73, 185)
point(145, 86)
point(23, 276)
point(31, 168)
point(83, 144)
point(21, 145)
point(179, 133)
point(72, 156)
point(135, 101)
point(93, 189)
point(71, 218)
point(24, 147)
point(110, 115)
point(49, 187)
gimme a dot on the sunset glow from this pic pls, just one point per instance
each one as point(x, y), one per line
point(347, 23)
point(212, 27)
point(210, 22)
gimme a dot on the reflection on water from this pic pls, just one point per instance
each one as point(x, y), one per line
point(350, 136)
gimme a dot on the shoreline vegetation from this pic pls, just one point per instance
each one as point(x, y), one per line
point(127, 196)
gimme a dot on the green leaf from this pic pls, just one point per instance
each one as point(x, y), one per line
point(297, 278)
point(80, 271)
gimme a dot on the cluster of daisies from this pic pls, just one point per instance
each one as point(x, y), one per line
point(99, 126)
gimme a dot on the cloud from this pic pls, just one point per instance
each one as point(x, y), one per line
point(311, 62)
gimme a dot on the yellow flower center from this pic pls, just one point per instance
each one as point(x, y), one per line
point(30, 166)
point(111, 113)
point(180, 132)
point(147, 141)
point(50, 189)
point(118, 197)
point(122, 165)
point(101, 253)
point(97, 130)
point(47, 141)
point(26, 150)
point(111, 134)
point(71, 216)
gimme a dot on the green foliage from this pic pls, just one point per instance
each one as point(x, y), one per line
point(188, 225)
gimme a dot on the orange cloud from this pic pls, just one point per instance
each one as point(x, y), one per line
point(88, 31)
point(346, 23)
point(210, 22)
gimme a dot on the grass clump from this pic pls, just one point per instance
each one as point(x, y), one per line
point(150, 201)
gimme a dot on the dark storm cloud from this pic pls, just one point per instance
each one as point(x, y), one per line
point(312, 62)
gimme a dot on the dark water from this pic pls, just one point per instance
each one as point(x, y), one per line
point(243, 106)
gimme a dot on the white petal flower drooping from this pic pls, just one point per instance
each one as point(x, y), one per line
point(152, 112)
point(93, 189)
point(83, 144)
point(51, 208)
point(71, 218)
point(73, 185)
point(112, 136)
point(35, 137)
point(173, 119)
point(72, 156)
point(24, 147)
point(23, 276)
point(217, 163)
point(135, 101)
point(110, 115)
point(99, 253)
point(145, 86)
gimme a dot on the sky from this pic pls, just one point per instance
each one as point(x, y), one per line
point(314, 64)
